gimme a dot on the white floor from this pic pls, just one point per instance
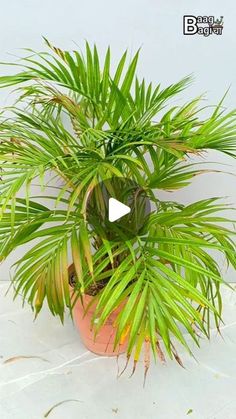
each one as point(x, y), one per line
point(44, 366)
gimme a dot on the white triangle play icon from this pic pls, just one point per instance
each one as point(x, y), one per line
point(117, 210)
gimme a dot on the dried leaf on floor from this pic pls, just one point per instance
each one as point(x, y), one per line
point(20, 357)
point(59, 404)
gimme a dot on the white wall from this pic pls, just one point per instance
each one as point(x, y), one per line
point(167, 55)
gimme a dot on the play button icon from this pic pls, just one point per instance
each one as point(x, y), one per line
point(116, 210)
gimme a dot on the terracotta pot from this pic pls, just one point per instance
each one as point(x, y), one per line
point(104, 342)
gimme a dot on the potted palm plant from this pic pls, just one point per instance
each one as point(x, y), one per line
point(77, 123)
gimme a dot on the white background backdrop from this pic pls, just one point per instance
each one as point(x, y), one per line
point(167, 55)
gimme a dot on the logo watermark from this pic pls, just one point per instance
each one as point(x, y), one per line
point(202, 25)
